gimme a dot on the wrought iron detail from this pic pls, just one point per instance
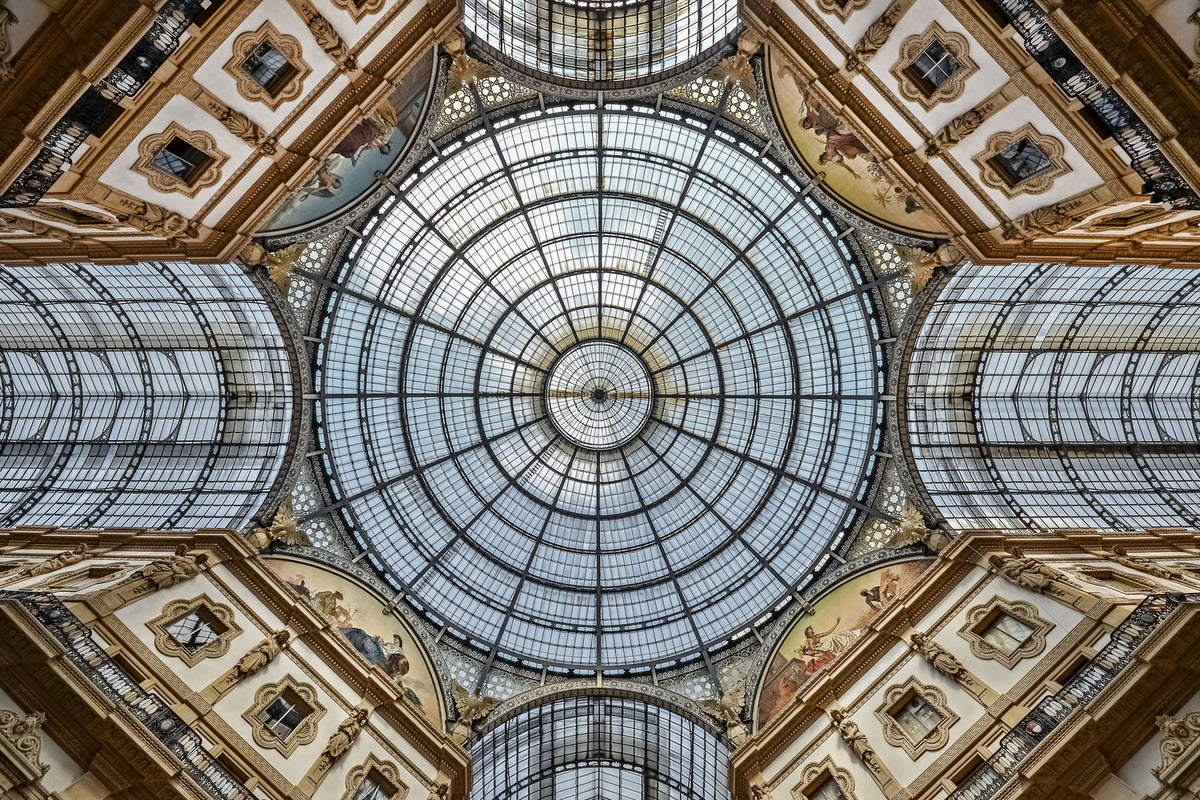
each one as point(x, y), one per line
point(1121, 122)
point(1015, 746)
point(99, 102)
point(121, 690)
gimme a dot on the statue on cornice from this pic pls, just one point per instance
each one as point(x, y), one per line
point(346, 733)
point(1120, 555)
point(464, 69)
point(165, 572)
point(1025, 571)
point(58, 561)
point(760, 791)
point(279, 265)
point(938, 657)
point(728, 709)
point(737, 69)
point(261, 654)
point(852, 735)
point(921, 263)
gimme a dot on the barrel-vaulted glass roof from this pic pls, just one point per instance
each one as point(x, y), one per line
point(599, 387)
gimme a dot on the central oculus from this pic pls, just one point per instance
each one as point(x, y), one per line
point(599, 395)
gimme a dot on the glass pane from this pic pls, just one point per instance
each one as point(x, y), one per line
point(933, 67)
point(828, 790)
point(918, 718)
point(1006, 634)
point(193, 631)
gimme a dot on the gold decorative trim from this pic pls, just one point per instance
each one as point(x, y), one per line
point(357, 9)
point(816, 774)
point(245, 45)
point(913, 46)
point(304, 733)
point(385, 768)
point(151, 146)
point(177, 609)
point(980, 616)
point(894, 734)
point(1036, 184)
point(842, 9)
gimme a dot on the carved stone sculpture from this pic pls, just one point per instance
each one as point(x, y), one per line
point(261, 654)
point(328, 38)
point(875, 37)
point(938, 657)
point(736, 68)
point(760, 791)
point(284, 528)
point(279, 266)
point(1118, 554)
point(1175, 735)
point(1025, 571)
point(7, 73)
point(22, 732)
point(1041, 222)
point(157, 221)
point(164, 572)
point(728, 709)
point(955, 131)
point(921, 263)
point(911, 528)
point(852, 735)
point(58, 561)
point(470, 707)
point(346, 733)
point(440, 791)
point(11, 222)
point(245, 129)
point(463, 68)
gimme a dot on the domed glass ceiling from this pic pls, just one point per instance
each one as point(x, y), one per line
point(598, 387)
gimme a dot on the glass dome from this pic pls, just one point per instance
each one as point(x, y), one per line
point(599, 44)
point(599, 387)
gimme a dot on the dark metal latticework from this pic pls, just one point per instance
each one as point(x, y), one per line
point(147, 395)
point(123, 692)
point(599, 388)
point(583, 748)
point(599, 44)
point(1044, 396)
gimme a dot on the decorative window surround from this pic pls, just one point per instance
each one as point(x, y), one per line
point(357, 9)
point(207, 175)
point(814, 775)
point(226, 629)
point(842, 9)
point(386, 770)
point(911, 48)
point(246, 44)
point(304, 733)
point(992, 175)
point(895, 698)
point(979, 617)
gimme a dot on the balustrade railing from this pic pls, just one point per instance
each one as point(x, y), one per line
point(149, 709)
point(1123, 124)
point(990, 776)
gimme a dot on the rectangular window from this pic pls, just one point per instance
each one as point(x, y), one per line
point(268, 67)
point(916, 717)
point(196, 629)
point(181, 160)
point(284, 714)
point(83, 578)
point(1006, 634)
point(1020, 161)
point(933, 67)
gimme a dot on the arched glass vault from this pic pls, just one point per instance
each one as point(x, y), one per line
point(600, 748)
point(1049, 396)
point(599, 387)
point(146, 395)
